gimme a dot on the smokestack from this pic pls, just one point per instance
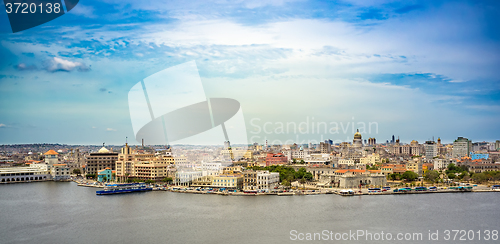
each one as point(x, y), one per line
point(142, 142)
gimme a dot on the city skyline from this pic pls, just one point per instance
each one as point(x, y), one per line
point(418, 69)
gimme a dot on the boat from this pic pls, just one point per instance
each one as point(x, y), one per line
point(347, 192)
point(124, 188)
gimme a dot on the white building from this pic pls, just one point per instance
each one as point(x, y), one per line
point(297, 154)
point(267, 181)
point(442, 164)
point(461, 147)
point(60, 172)
point(346, 161)
point(36, 172)
point(430, 149)
point(185, 177)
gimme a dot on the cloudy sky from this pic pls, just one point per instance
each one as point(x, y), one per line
point(416, 69)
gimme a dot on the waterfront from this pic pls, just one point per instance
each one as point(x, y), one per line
point(61, 212)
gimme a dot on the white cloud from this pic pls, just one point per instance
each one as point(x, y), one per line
point(110, 129)
point(3, 125)
point(59, 64)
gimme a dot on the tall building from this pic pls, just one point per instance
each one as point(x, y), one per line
point(461, 147)
point(431, 150)
point(95, 162)
point(324, 147)
point(372, 141)
point(357, 142)
point(442, 150)
point(51, 158)
point(146, 166)
point(412, 149)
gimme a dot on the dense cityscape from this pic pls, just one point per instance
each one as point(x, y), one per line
point(263, 169)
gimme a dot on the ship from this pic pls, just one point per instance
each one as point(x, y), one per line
point(124, 188)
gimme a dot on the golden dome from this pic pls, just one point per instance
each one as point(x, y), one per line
point(357, 135)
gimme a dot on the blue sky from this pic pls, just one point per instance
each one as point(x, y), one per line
point(417, 68)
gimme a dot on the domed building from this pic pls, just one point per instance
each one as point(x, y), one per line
point(100, 160)
point(357, 142)
point(103, 150)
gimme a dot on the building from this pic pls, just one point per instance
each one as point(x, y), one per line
point(372, 159)
point(357, 142)
point(442, 164)
point(228, 181)
point(461, 147)
point(204, 181)
point(431, 150)
point(393, 169)
point(152, 170)
point(442, 150)
point(237, 153)
point(95, 162)
point(474, 156)
point(325, 147)
point(106, 175)
point(497, 145)
point(148, 166)
point(372, 141)
point(412, 149)
point(250, 180)
point(60, 172)
point(187, 177)
point(298, 154)
point(276, 159)
point(267, 181)
point(319, 170)
point(51, 158)
point(480, 168)
point(415, 166)
point(35, 172)
point(352, 178)
point(427, 166)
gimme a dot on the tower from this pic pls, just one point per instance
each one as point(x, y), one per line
point(357, 142)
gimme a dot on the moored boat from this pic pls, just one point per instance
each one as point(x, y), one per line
point(347, 192)
point(124, 188)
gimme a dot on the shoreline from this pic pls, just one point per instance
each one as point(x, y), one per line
point(335, 191)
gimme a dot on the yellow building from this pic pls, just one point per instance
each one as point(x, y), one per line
point(144, 166)
point(237, 153)
point(370, 159)
point(232, 170)
point(233, 181)
point(415, 166)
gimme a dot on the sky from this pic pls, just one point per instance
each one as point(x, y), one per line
point(414, 69)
